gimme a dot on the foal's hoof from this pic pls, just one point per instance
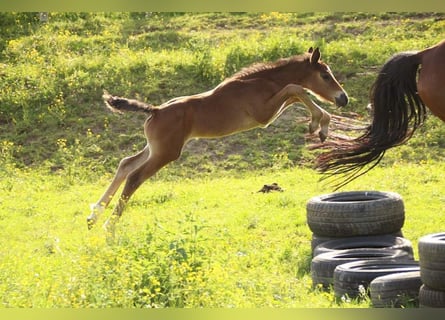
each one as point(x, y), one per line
point(90, 224)
point(91, 221)
point(312, 127)
point(322, 136)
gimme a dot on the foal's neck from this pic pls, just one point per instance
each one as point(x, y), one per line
point(294, 72)
point(283, 72)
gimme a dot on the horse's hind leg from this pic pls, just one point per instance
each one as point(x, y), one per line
point(125, 167)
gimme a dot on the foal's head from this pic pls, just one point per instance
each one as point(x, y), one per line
point(322, 82)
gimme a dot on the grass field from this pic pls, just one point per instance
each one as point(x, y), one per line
point(198, 234)
point(212, 242)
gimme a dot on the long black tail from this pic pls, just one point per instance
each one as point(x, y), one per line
point(120, 105)
point(397, 112)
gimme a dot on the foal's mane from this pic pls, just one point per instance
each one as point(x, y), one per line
point(257, 68)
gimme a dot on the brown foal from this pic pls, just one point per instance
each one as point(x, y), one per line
point(252, 98)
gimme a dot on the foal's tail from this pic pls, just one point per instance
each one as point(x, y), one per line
point(120, 105)
point(397, 112)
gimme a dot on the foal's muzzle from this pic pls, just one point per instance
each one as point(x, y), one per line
point(341, 100)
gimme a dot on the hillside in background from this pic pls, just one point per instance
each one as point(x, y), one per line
point(53, 74)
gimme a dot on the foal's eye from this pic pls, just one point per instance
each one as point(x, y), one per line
point(325, 76)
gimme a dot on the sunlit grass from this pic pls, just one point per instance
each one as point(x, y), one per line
point(213, 242)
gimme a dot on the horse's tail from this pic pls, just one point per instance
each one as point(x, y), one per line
point(397, 112)
point(120, 105)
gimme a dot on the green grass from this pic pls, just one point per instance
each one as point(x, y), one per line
point(198, 234)
point(211, 241)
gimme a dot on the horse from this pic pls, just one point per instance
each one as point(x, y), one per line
point(407, 84)
point(251, 98)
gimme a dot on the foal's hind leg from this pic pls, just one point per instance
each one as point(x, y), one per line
point(125, 167)
point(135, 179)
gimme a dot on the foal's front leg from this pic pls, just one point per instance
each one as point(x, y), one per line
point(295, 93)
point(316, 116)
point(322, 121)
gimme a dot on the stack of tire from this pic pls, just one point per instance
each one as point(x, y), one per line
point(357, 240)
point(432, 270)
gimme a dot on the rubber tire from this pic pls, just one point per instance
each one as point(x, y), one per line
point(379, 242)
point(349, 277)
point(430, 298)
point(355, 213)
point(323, 265)
point(318, 240)
point(432, 260)
point(396, 290)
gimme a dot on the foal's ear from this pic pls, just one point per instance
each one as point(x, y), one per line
point(310, 50)
point(315, 56)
